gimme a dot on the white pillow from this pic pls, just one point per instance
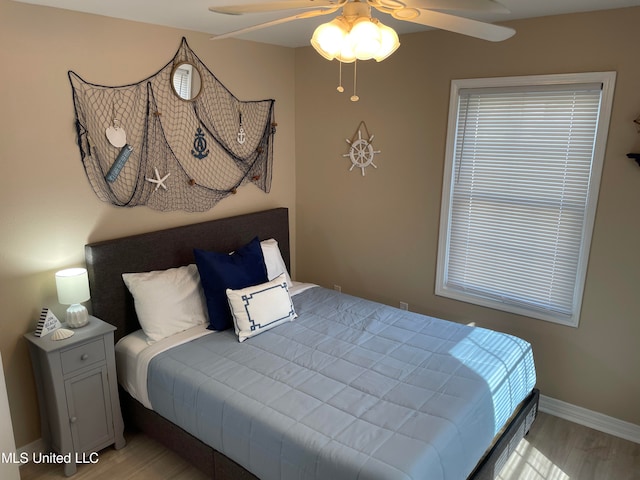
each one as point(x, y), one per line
point(167, 301)
point(261, 307)
point(273, 260)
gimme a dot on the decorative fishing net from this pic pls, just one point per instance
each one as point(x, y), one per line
point(178, 154)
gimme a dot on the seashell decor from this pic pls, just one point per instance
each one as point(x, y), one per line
point(61, 334)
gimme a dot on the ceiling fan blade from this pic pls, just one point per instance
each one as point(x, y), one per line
point(477, 6)
point(453, 23)
point(273, 6)
point(310, 14)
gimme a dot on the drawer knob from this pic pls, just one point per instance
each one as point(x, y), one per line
point(73, 419)
point(84, 356)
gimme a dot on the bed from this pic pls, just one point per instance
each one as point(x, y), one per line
point(378, 369)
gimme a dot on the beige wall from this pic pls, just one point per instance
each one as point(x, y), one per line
point(48, 210)
point(376, 235)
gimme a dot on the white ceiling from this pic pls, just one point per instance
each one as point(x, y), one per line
point(194, 15)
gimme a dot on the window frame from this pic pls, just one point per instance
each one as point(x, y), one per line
point(607, 79)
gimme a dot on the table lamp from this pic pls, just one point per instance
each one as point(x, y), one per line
point(73, 289)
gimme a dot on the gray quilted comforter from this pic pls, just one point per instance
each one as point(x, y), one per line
point(352, 389)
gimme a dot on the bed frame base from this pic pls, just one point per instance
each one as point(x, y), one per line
point(214, 464)
point(495, 459)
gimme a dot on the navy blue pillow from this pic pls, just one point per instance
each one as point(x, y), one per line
point(218, 271)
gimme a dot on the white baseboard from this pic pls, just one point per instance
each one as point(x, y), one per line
point(35, 447)
point(589, 418)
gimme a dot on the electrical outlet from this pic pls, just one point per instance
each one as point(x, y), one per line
point(404, 306)
point(337, 288)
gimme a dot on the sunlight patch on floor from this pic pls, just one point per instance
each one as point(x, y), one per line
point(527, 463)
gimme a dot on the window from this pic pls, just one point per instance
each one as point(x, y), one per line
point(522, 171)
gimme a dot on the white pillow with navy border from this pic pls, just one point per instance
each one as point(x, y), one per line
point(260, 307)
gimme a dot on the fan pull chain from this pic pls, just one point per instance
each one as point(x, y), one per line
point(340, 87)
point(355, 97)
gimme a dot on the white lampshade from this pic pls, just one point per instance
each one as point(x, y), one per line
point(73, 288)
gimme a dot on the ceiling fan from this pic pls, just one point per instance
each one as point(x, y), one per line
point(356, 35)
point(441, 14)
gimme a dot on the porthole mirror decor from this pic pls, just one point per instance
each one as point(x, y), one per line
point(186, 81)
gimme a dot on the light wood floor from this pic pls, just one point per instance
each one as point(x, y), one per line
point(555, 449)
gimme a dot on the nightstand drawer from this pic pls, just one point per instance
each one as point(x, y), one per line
point(82, 356)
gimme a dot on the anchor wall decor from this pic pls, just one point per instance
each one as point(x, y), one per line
point(200, 145)
point(242, 136)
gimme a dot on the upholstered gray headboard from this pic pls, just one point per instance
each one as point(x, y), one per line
point(108, 260)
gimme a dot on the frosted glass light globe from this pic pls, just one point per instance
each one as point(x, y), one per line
point(366, 38)
point(328, 38)
point(389, 42)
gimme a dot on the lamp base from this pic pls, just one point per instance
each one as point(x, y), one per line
point(77, 316)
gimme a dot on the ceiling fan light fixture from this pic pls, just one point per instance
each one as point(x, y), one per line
point(355, 36)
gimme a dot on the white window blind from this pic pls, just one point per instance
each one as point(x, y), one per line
point(520, 197)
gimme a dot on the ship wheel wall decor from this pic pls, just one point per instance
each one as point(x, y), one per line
point(361, 152)
point(177, 140)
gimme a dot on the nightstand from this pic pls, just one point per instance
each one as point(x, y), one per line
point(78, 392)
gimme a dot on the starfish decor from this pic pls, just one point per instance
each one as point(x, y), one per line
point(158, 181)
